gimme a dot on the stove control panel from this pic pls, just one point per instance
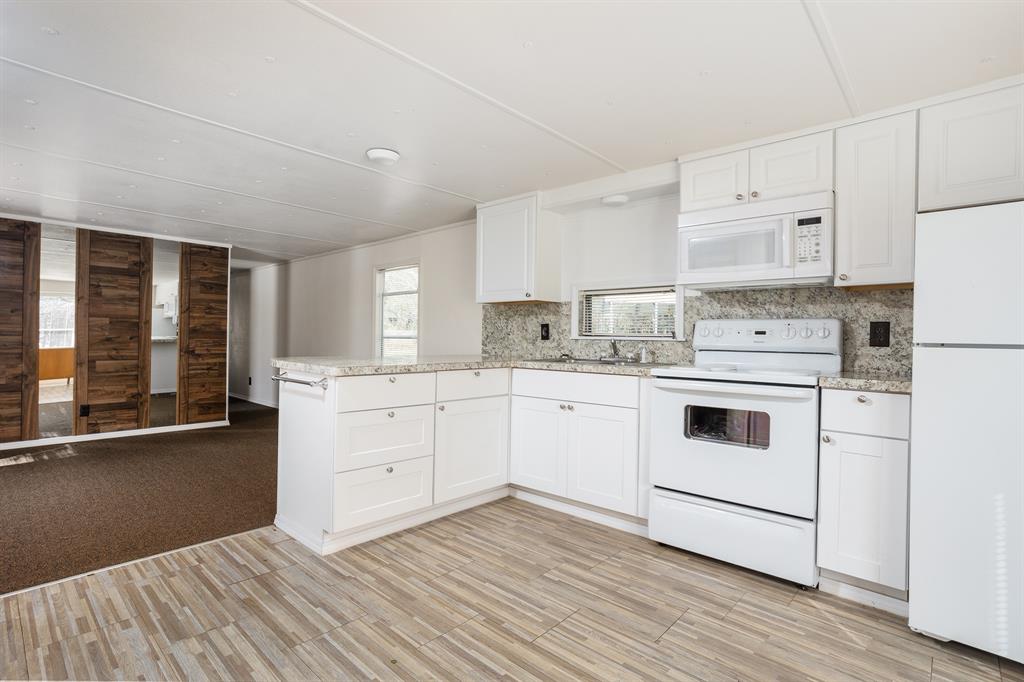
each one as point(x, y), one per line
point(800, 335)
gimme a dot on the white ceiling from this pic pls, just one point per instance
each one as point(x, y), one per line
point(246, 122)
point(58, 255)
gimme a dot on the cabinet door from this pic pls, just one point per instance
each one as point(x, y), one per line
point(799, 166)
point(876, 201)
point(506, 236)
point(862, 507)
point(472, 447)
point(603, 449)
point(537, 458)
point(972, 151)
point(713, 183)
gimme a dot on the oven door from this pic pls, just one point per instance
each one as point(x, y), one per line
point(741, 250)
point(750, 444)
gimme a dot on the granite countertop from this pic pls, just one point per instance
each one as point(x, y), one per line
point(858, 381)
point(344, 367)
point(164, 339)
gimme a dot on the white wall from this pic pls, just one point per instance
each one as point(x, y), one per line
point(324, 305)
point(631, 244)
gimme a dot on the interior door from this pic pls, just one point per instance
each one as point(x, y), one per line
point(113, 318)
point(203, 334)
point(19, 330)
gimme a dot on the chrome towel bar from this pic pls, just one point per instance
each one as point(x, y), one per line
point(283, 376)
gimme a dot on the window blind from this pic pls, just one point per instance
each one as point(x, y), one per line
point(646, 311)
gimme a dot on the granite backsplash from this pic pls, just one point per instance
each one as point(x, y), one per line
point(514, 328)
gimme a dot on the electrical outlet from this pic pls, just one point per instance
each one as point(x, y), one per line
point(545, 331)
point(879, 335)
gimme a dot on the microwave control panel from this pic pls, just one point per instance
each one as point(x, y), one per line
point(813, 242)
point(808, 240)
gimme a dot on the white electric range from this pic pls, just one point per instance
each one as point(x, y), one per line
point(734, 443)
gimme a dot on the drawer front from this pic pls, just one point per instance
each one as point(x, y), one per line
point(375, 437)
point(385, 390)
point(873, 414)
point(471, 383)
point(381, 492)
point(600, 389)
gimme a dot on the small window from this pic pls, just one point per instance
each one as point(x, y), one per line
point(398, 296)
point(642, 312)
point(57, 321)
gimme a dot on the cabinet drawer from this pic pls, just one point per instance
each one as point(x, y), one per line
point(874, 414)
point(385, 390)
point(600, 389)
point(380, 436)
point(381, 492)
point(471, 383)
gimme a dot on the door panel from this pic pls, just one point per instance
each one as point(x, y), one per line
point(602, 456)
point(784, 169)
point(203, 334)
point(506, 238)
point(713, 183)
point(538, 450)
point(19, 330)
point(472, 447)
point(113, 308)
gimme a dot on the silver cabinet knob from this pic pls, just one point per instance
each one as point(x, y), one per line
point(392, 380)
point(476, 373)
point(441, 407)
point(739, 197)
point(862, 399)
point(561, 407)
point(826, 439)
point(844, 276)
point(391, 414)
point(754, 194)
point(528, 294)
point(570, 407)
point(390, 470)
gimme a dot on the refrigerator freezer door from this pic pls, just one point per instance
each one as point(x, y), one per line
point(969, 283)
point(967, 497)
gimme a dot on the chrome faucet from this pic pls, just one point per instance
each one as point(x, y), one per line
point(615, 348)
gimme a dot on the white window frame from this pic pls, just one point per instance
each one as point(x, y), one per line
point(378, 302)
point(577, 288)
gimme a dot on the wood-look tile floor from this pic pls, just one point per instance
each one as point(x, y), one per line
point(508, 590)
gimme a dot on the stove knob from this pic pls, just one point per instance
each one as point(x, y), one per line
point(806, 332)
point(704, 331)
point(789, 333)
point(719, 331)
point(824, 332)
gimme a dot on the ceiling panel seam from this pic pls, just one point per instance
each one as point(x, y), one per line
point(203, 186)
point(242, 131)
point(819, 23)
point(14, 190)
point(465, 87)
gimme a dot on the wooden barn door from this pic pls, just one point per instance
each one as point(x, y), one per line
point(202, 334)
point(19, 330)
point(113, 318)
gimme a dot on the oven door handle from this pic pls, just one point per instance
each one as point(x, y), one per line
point(722, 388)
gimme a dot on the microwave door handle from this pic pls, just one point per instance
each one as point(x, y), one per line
point(787, 242)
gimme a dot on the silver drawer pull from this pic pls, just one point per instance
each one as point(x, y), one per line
point(826, 439)
point(561, 407)
point(571, 407)
point(862, 399)
point(390, 470)
point(441, 407)
point(392, 380)
point(476, 373)
point(391, 414)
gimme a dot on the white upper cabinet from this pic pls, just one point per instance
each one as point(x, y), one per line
point(875, 201)
point(715, 182)
point(972, 151)
point(802, 165)
point(518, 251)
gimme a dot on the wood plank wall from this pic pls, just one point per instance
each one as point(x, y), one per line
point(113, 332)
point(19, 330)
point(202, 334)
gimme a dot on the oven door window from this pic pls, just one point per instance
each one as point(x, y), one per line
point(746, 428)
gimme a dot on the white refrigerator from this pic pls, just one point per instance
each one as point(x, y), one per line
point(967, 434)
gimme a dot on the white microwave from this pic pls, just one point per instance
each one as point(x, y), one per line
point(777, 243)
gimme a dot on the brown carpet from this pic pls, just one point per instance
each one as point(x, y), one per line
point(70, 509)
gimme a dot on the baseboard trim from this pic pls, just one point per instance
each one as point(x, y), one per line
point(252, 400)
point(862, 596)
point(630, 524)
point(61, 440)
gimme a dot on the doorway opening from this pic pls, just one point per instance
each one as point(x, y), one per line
point(56, 330)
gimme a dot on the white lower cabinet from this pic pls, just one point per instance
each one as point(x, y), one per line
point(471, 453)
point(602, 456)
point(380, 492)
point(537, 457)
